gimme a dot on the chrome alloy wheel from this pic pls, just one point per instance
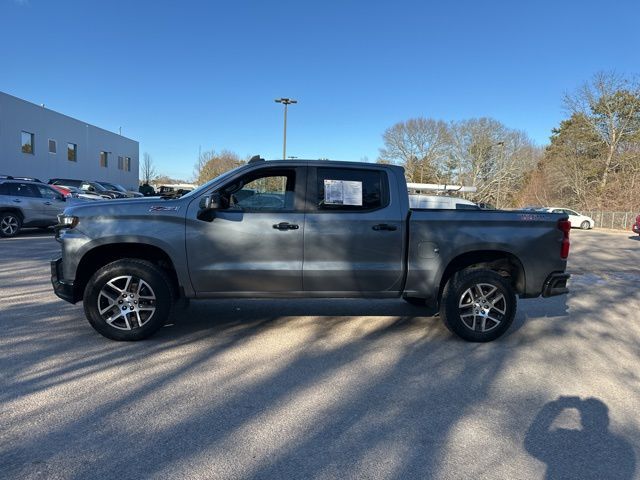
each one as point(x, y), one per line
point(482, 307)
point(126, 302)
point(9, 225)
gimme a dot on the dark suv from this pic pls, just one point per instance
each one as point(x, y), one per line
point(87, 187)
point(28, 204)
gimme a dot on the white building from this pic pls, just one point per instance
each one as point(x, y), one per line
point(38, 142)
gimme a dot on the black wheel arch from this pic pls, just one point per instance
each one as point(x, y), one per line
point(505, 263)
point(102, 255)
point(15, 211)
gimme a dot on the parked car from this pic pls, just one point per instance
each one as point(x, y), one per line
point(28, 204)
point(13, 177)
point(77, 193)
point(87, 187)
point(577, 220)
point(147, 190)
point(338, 229)
point(119, 188)
point(172, 192)
point(636, 226)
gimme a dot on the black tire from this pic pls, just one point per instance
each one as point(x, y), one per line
point(418, 302)
point(585, 225)
point(478, 305)
point(10, 224)
point(148, 303)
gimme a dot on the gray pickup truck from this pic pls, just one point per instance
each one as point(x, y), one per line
point(300, 229)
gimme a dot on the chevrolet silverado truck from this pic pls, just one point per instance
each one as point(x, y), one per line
point(302, 229)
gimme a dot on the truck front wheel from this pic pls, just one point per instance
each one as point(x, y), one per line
point(128, 299)
point(478, 305)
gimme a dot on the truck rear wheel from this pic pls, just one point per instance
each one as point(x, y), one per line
point(478, 305)
point(128, 299)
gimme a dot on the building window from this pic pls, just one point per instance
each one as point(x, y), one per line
point(72, 152)
point(53, 146)
point(104, 159)
point(27, 143)
point(127, 164)
point(120, 163)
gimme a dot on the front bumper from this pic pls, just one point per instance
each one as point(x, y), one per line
point(556, 284)
point(62, 289)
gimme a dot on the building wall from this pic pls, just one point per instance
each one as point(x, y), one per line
point(18, 115)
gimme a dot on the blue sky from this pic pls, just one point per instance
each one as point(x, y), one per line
point(180, 75)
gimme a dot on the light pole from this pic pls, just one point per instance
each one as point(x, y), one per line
point(286, 102)
point(501, 145)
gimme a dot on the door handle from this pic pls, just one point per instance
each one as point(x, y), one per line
point(285, 226)
point(47, 203)
point(385, 226)
point(17, 200)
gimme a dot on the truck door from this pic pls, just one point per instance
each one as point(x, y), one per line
point(354, 232)
point(254, 244)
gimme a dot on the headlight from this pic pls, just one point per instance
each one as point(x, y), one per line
point(67, 221)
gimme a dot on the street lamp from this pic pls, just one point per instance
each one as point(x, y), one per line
point(501, 145)
point(286, 102)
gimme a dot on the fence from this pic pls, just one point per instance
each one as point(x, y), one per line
point(614, 220)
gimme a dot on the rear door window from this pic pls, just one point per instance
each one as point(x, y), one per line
point(350, 189)
point(23, 190)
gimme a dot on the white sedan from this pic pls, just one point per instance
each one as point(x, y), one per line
point(576, 219)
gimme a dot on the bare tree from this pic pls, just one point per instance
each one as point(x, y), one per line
point(147, 169)
point(493, 158)
point(419, 145)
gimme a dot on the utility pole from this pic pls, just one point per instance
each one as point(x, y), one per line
point(286, 102)
point(501, 145)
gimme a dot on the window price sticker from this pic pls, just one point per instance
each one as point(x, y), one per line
point(342, 192)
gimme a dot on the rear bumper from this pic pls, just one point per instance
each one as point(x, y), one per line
point(636, 227)
point(62, 289)
point(555, 284)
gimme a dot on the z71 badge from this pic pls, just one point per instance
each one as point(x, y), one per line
point(161, 208)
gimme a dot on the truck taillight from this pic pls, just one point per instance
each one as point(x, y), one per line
point(565, 227)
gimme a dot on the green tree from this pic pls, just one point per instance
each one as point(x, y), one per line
point(609, 104)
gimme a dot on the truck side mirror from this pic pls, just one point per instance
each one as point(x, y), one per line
point(210, 202)
point(208, 205)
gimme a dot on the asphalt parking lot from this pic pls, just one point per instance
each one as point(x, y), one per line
point(324, 389)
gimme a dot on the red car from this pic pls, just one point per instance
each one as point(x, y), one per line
point(636, 226)
point(63, 190)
